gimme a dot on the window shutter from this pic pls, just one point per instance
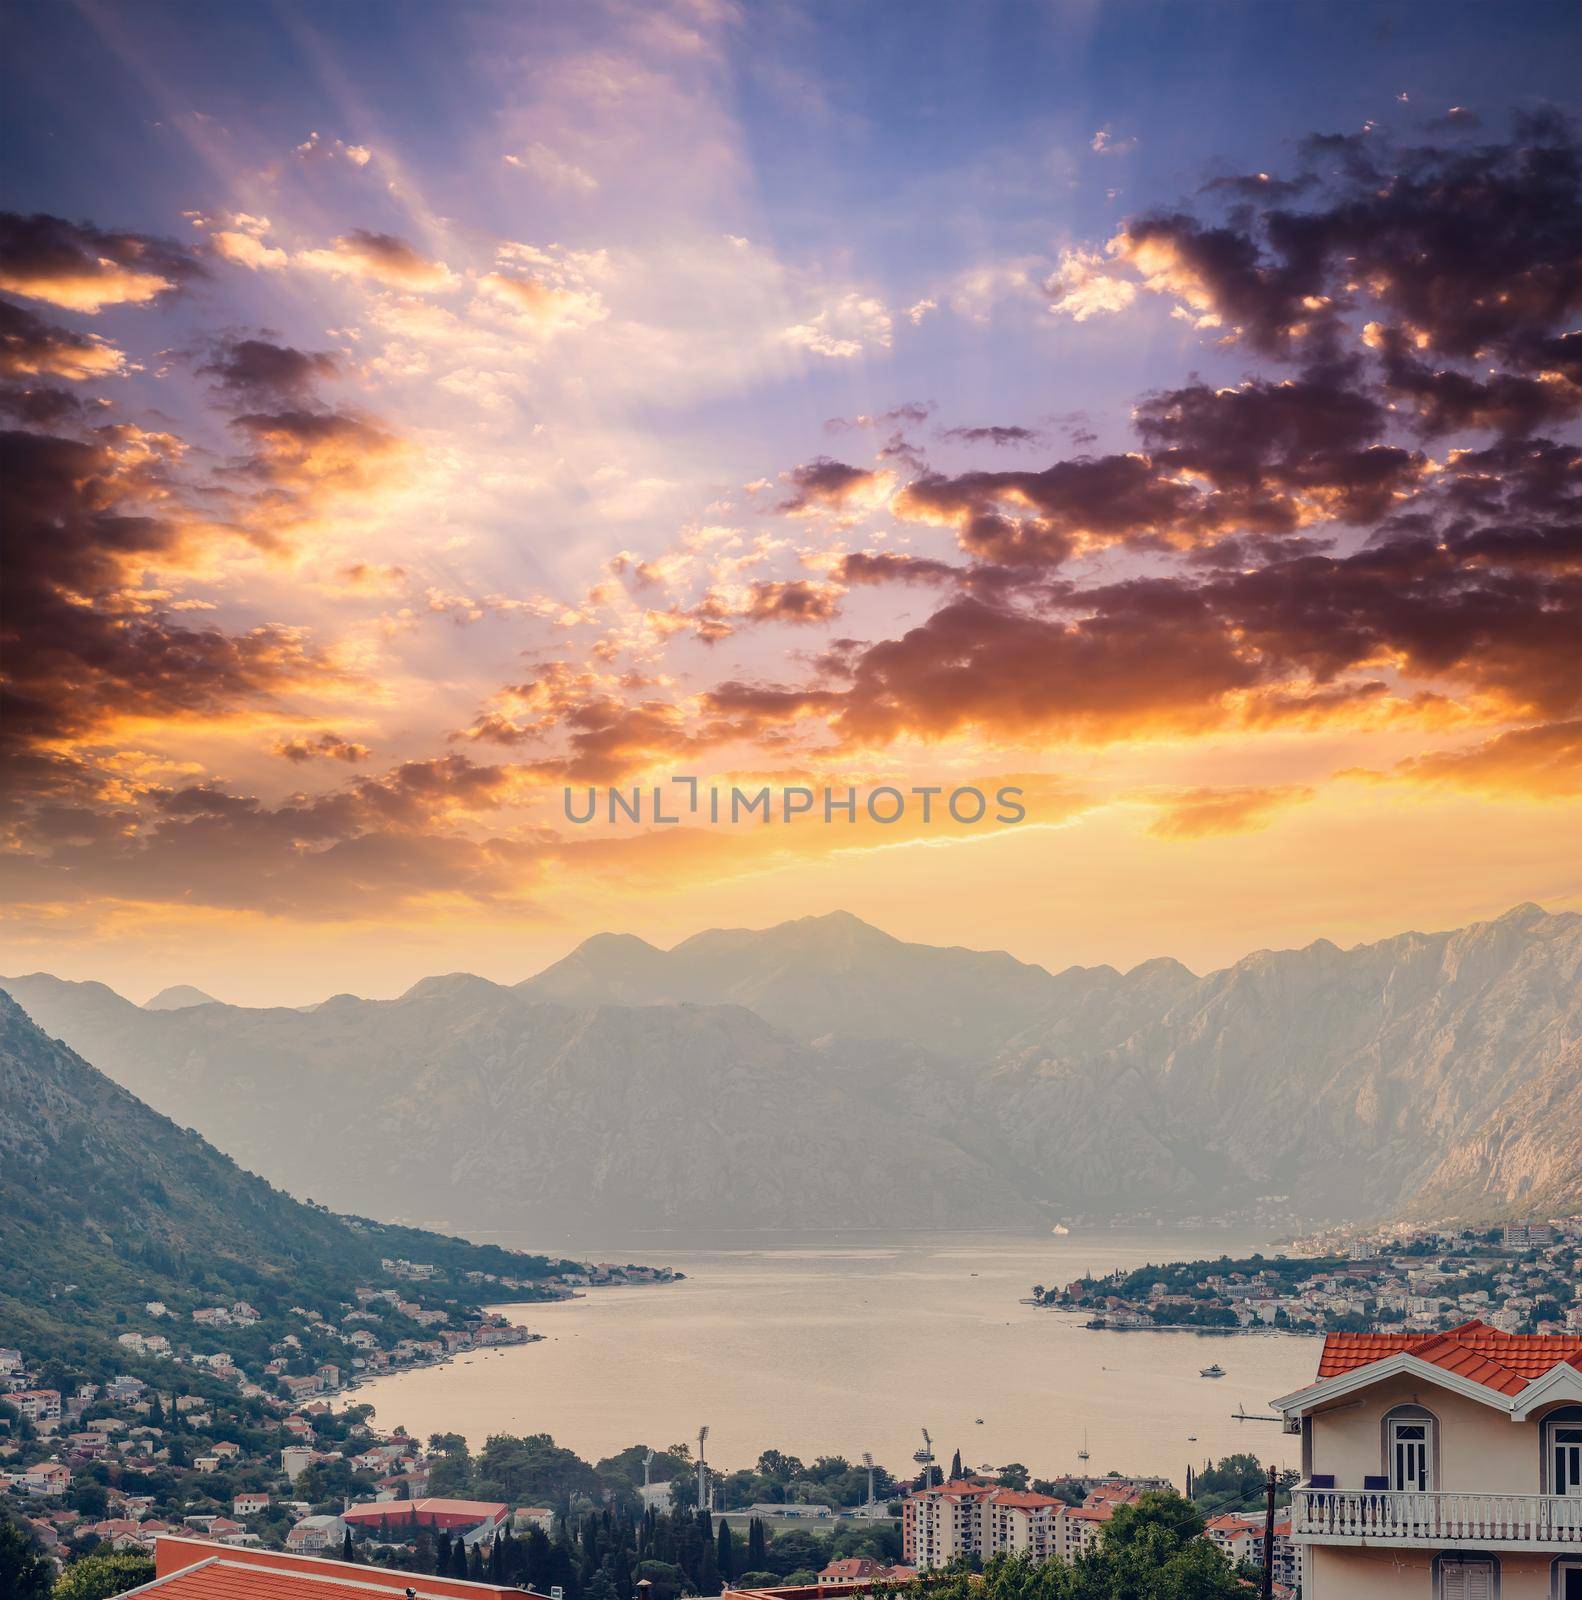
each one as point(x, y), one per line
point(1467, 1580)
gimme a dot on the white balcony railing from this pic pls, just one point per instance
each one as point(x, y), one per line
point(1408, 1516)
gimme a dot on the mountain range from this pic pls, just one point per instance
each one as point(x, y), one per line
point(823, 1074)
point(108, 1205)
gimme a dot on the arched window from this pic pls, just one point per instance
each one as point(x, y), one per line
point(1565, 1581)
point(1411, 1448)
point(1561, 1471)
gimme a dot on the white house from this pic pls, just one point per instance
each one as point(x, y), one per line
point(316, 1533)
point(1441, 1466)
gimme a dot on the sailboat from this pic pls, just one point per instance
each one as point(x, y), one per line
point(1082, 1454)
point(1216, 1371)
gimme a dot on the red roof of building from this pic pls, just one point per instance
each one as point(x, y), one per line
point(960, 1488)
point(1504, 1362)
point(850, 1567)
point(1102, 1512)
point(191, 1569)
point(1024, 1499)
point(1229, 1522)
point(377, 1511)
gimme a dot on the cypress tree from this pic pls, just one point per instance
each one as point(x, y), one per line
point(536, 1560)
point(955, 1467)
point(423, 1556)
point(458, 1559)
point(757, 1547)
point(347, 1553)
point(442, 1554)
point(726, 1553)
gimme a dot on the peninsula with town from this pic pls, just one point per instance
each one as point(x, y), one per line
point(1520, 1277)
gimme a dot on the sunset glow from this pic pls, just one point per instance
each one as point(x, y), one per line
point(415, 412)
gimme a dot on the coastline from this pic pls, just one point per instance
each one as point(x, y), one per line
point(796, 1350)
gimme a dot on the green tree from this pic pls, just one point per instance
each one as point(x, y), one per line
point(725, 1555)
point(1156, 1509)
point(666, 1578)
point(101, 1575)
point(779, 1466)
point(532, 1470)
point(450, 1466)
point(91, 1499)
point(793, 1550)
point(24, 1571)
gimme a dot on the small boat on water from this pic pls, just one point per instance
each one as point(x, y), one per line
point(1082, 1454)
point(978, 1421)
point(1215, 1371)
point(1060, 1229)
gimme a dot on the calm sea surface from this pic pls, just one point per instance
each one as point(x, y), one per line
point(844, 1347)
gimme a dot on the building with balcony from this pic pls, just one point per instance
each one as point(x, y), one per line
point(1442, 1466)
point(971, 1517)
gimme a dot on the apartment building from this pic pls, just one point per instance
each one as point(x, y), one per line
point(968, 1517)
point(37, 1405)
point(1443, 1466)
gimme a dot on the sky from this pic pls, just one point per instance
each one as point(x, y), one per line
point(416, 413)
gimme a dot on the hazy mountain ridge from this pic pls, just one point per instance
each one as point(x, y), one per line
point(830, 975)
point(477, 1106)
point(822, 1074)
point(106, 1205)
point(178, 997)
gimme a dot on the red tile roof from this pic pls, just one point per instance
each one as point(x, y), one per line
point(405, 1510)
point(1504, 1362)
point(851, 1567)
point(192, 1569)
point(1229, 1522)
point(1024, 1499)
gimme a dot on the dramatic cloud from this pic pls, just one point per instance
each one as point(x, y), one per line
point(83, 645)
point(380, 258)
point(1544, 761)
point(327, 745)
point(993, 434)
point(1201, 813)
point(1155, 659)
point(255, 371)
point(827, 484)
point(1464, 250)
point(400, 838)
point(31, 347)
point(890, 566)
point(298, 456)
point(82, 268)
point(1363, 519)
point(1086, 284)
